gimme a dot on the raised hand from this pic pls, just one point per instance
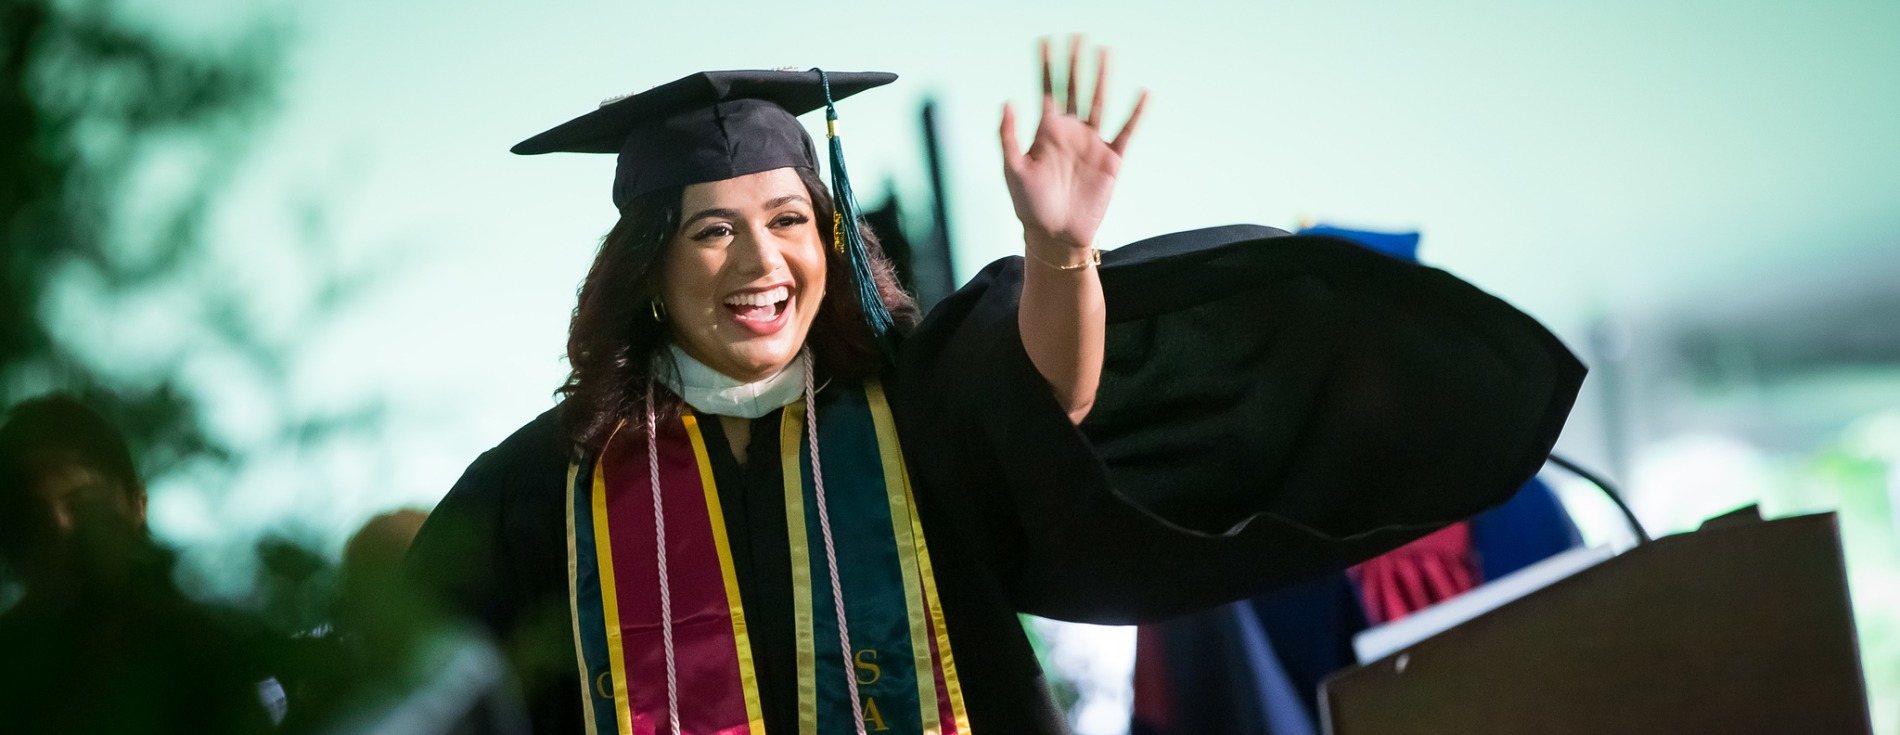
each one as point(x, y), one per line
point(1062, 185)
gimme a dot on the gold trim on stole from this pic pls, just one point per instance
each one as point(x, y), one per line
point(574, 604)
point(951, 684)
point(895, 483)
point(609, 599)
point(748, 675)
point(791, 432)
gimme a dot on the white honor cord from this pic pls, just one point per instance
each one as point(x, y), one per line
point(831, 553)
point(666, 597)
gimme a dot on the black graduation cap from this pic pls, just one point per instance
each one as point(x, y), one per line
point(718, 125)
point(709, 126)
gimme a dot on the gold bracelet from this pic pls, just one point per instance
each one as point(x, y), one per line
point(1095, 258)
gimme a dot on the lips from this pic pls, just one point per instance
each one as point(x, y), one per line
point(761, 310)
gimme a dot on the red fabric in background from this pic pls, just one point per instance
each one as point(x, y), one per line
point(1154, 706)
point(1417, 575)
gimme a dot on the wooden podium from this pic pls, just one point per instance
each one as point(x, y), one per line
point(1741, 627)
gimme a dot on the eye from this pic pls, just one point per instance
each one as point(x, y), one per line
point(716, 230)
point(790, 219)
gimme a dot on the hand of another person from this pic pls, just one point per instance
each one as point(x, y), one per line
point(1061, 186)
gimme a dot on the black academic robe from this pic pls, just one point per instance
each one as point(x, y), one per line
point(1271, 408)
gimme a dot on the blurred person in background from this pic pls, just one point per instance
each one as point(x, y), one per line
point(718, 530)
point(101, 641)
point(391, 663)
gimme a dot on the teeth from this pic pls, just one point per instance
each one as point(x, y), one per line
point(761, 298)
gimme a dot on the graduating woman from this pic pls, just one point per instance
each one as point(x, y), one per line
point(772, 500)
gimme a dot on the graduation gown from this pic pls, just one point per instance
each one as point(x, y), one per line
point(1271, 408)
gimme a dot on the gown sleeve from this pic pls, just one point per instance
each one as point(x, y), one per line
point(492, 550)
point(1271, 408)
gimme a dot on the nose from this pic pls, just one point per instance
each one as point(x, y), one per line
point(755, 253)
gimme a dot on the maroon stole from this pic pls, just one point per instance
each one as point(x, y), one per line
point(901, 656)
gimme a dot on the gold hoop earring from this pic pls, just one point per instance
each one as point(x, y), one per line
point(658, 309)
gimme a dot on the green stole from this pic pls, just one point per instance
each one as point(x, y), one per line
point(901, 656)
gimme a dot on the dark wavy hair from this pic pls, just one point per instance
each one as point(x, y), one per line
point(613, 337)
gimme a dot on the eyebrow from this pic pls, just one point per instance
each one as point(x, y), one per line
point(705, 213)
point(734, 214)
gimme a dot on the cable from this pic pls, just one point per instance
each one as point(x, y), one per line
point(1636, 526)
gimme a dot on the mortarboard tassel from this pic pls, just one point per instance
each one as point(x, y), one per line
point(844, 226)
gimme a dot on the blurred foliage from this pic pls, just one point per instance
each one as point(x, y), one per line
point(119, 141)
point(1859, 474)
point(84, 96)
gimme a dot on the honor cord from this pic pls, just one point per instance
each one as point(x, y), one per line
point(666, 597)
point(831, 553)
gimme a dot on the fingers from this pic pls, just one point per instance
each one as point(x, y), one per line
point(1048, 76)
point(1101, 88)
point(1075, 62)
point(1128, 128)
point(1070, 101)
point(1011, 150)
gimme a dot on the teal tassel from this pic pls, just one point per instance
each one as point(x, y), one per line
point(844, 227)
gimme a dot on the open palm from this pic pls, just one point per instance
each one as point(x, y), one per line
point(1062, 185)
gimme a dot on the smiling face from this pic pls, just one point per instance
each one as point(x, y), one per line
point(744, 276)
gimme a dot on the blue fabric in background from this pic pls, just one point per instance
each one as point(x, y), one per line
point(1401, 245)
point(1528, 528)
point(1284, 709)
point(1311, 626)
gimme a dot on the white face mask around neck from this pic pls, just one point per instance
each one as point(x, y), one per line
point(712, 392)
